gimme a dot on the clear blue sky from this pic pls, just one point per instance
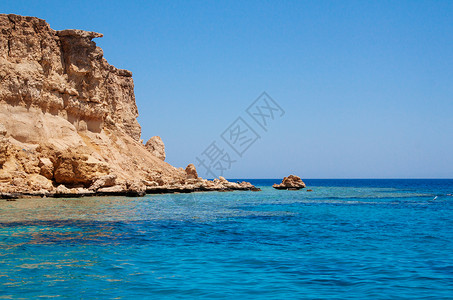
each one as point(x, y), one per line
point(367, 86)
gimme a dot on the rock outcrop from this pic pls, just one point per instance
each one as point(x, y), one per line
point(156, 146)
point(191, 172)
point(291, 182)
point(68, 120)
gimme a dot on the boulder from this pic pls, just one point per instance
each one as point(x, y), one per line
point(156, 146)
point(46, 167)
point(191, 172)
point(79, 169)
point(104, 181)
point(136, 189)
point(77, 33)
point(291, 182)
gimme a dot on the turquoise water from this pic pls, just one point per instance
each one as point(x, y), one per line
point(354, 239)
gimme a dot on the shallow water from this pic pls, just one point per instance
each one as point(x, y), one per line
point(355, 239)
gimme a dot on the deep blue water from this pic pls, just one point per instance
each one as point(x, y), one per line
point(348, 239)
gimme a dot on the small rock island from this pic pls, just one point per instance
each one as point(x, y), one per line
point(292, 182)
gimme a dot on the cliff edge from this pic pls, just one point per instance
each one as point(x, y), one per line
point(68, 120)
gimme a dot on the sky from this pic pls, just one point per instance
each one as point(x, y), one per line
point(366, 87)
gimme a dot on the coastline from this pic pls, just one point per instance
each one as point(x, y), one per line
point(216, 185)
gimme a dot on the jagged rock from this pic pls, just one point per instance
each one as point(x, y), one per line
point(291, 182)
point(136, 189)
point(156, 146)
point(191, 172)
point(63, 191)
point(75, 169)
point(37, 182)
point(199, 185)
point(46, 166)
point(222, 179)
point(104, 182)
point(79, 33)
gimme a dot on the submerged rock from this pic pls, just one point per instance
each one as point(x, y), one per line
point(291, 182)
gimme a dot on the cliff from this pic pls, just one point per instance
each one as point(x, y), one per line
point(68, 119)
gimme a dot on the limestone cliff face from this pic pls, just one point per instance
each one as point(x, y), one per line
point(68, 120)
point(66, 115)
point(64, 74)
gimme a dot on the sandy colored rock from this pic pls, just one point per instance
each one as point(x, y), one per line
point(156, 146)
point(79, 169)
point(116, 189)
point(191, 172)
point(47, 168)
point(291, 182)
point(104, 181)
point(61, 189)
point(38, 182)
point(136, 188)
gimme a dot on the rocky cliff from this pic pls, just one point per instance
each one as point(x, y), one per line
point(68, 119)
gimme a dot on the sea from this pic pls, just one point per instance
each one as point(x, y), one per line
point(345, 239)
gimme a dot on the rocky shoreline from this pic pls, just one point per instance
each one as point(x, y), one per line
point(109, 186)
point(78, 193)
point(136, 190)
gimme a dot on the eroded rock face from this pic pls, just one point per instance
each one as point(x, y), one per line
point(65, 74)
point(156, 146)
point(191, 172)
point(69, 119)
point(291, 182)
point(65, 113)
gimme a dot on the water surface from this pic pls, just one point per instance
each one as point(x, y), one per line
point(355, 239)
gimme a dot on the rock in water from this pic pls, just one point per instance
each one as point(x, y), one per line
point(69, 119)
point(291, 182)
